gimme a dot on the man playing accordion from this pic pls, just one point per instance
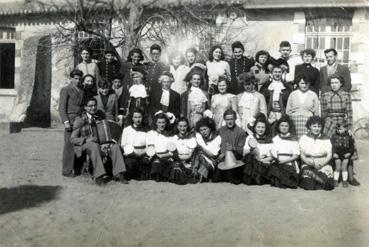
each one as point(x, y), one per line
point(85, 141)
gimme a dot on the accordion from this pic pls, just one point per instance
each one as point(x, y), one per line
point(107, 131)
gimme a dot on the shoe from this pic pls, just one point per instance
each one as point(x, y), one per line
point(101, 180)
point(344, 184)
point(335, 183)
point(121, 179)
point(354, 182)
point(69, 175)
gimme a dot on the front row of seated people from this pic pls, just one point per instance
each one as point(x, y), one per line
point(230, 154)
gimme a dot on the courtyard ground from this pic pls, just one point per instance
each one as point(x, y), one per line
point(39, 207)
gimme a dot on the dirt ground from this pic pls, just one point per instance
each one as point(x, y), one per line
point(39, 207)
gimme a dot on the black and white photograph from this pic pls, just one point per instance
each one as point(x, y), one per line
point(218, 123)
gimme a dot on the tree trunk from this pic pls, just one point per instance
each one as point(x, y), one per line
point(134, 27)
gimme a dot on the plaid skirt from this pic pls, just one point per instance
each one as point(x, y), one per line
point(330, 124)
point(283, 176)
point(299, 121)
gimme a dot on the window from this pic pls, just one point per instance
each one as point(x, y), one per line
point(324, 35)
point(329, 29)
point(7, 52)
point(7, 57)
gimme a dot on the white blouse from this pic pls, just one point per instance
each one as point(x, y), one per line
point(216, 69)
point(159, 141)
point(212, 146)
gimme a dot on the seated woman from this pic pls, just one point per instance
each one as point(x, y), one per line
point(222, 101)
point(133, 143)
point(194, 101)
point(257, 152)
point(208, 142)
point(107, 100)
point(284, 173)
point(157, 149)
point(182, 171)
point(316, 154)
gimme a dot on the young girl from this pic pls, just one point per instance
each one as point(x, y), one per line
point(259, 158)
point(222, 101)
point(183, 171)
point(194, 101)
point(343, 148)
point(138, 92)
point(284, 173)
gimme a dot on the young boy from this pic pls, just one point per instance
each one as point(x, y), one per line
point(343, 148)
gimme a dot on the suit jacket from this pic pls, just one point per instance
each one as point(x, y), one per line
point(70, 103)
point(342, 70)
point(174, 102)
point(81, 130)
point(268, 94)
point(243, 65)
point(108, 69)
point(153, 73)
point(311, 74)
point(111, 108)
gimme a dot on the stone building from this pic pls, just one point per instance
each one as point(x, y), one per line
point(32, 70)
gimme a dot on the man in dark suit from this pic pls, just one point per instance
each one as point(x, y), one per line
point(70, 106)
point(334, 68)
point(155, 68)
point(84, 140)
point(109, 66)
point(166, 99)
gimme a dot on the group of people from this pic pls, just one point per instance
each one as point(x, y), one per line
point(245, 120)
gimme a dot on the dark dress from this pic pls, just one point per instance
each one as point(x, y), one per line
point(284, 175)
point(237, 67)
point(311, 74)
point(256, 172)
point(154, 70)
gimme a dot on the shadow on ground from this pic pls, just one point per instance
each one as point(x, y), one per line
point(26, 196)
